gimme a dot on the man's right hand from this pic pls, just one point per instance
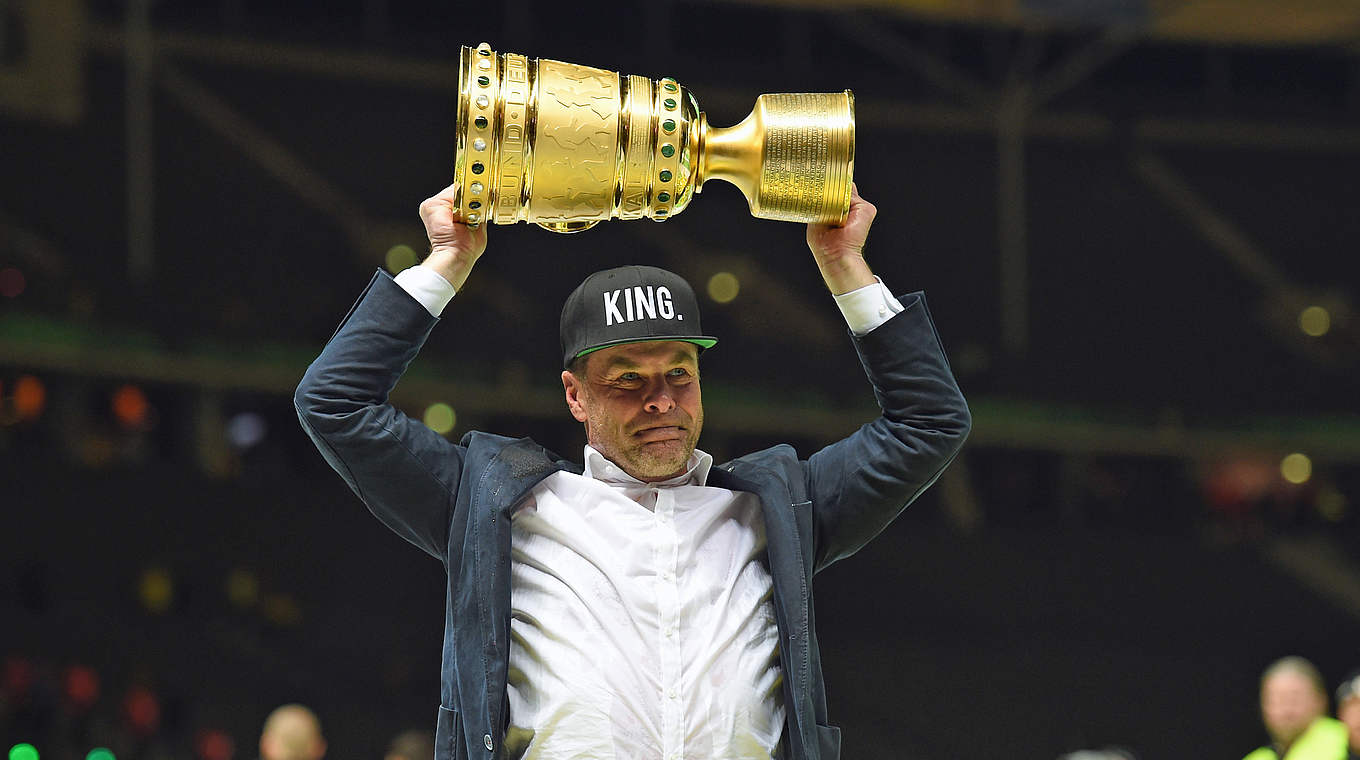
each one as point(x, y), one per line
point(454, 246)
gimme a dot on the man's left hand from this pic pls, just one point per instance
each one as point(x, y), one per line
point(839, 251)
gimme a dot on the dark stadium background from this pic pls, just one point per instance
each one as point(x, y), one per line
point(1128, 216)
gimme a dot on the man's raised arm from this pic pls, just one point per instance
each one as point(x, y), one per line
point(860, 484)
point(403, 471)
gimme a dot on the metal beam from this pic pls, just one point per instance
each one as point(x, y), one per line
point(273, 156)
point(1225, 236)
point(1011, 227)
point(1081, 65)
point(301, 59)
point(1285, 299)
point(871, 113)
point(906, 54)
point(140, 147)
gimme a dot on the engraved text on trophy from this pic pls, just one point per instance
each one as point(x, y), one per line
point(794, 169)
point(511, 171)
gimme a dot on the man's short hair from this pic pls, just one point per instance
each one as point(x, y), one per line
point(578, 365)
point(1299, 665)
point(1349, 689)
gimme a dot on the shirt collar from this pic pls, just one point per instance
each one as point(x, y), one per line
point(600, 468)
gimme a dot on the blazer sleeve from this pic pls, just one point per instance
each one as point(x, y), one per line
point(860, 484)
point(404, 472)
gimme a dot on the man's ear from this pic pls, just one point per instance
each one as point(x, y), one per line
point(572, 386)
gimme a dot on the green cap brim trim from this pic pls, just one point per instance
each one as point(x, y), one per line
point(700, 342)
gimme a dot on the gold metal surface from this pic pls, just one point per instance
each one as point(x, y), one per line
point(567, 146)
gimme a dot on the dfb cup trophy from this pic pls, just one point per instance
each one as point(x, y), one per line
point(568, 146)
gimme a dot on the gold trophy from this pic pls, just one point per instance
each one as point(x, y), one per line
point(568, 146)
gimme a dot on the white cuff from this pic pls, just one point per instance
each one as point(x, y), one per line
point(868, 307)
point(426, 286)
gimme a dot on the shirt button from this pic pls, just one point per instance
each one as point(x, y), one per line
point(671, 693)
point(486, 741)
point(667, 576)
point(670, 632)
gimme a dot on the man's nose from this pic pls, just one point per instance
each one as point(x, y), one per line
point(659, 401)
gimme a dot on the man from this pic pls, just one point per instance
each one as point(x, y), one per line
point(292, 732)
point(1293, 708)
point(415, 744)
point(645, 604)
point(1348, 711)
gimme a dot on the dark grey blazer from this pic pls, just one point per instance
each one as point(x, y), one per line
point(454, 501)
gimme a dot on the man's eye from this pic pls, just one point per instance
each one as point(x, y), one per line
point(679, 372)
point(630, 377)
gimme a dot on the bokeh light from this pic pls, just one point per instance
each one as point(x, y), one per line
point(1296, 468)
point(23, 752)
point(282, 610)
point(400, 257)
point(12, 282)
point(1332, 504)
point(100, 753)
point(213, 744)
point(1315, 321)
point(16, 679)
point(82, 686)
point(723, 287)
point(246, 430)
point(440, 418)
point(243, 588)
point(143, 712)
point(130, 407)
point(30, 397)
point(156, 590)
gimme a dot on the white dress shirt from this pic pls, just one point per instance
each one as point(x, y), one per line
point(642, 622)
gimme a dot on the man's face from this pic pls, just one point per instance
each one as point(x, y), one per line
point(1349, 713)
point(641, 405)
point(1289, 704)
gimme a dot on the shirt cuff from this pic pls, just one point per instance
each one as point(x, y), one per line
point(426, 286)
point(868, 307)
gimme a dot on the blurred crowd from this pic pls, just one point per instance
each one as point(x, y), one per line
point(59, 715)
point(1294, 712)
point(1294, 700)
point(47, 714)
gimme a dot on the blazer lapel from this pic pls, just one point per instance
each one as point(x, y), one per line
point(784, 548)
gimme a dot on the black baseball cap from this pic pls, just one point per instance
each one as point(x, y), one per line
point(629, 304)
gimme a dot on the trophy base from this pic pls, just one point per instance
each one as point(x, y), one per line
point(567, 227)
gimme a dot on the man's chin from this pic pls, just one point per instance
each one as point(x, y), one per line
point(661, 459)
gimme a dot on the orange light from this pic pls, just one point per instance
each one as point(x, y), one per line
point(30, 397)
point(142, 710)
point(282, 610)
point(130, 406)
point(82, 686)
point(214, 745)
